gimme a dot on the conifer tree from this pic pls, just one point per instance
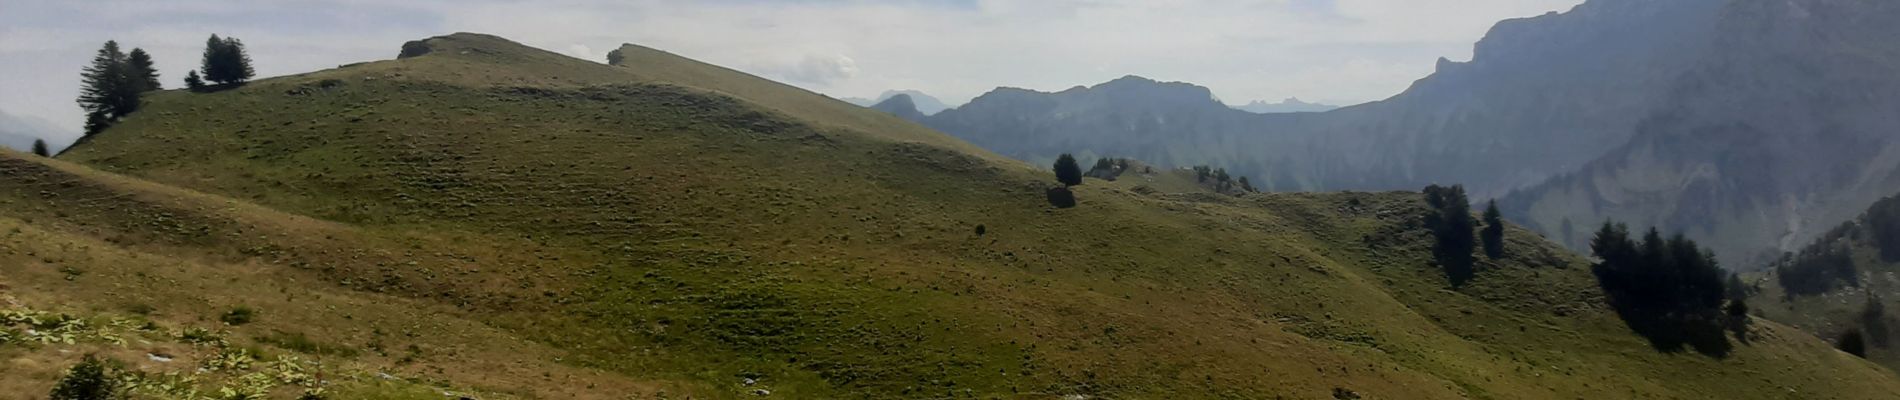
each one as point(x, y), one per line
point(225, 61)
point(39, 148)
point(1067, 171)
point(141, 71)
point(239, 59)
point(193, 82)
point(1493, 233)
point(107, 90)
point(97, 122)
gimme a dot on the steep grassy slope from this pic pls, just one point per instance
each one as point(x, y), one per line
point(144, 265)
point(701, 231)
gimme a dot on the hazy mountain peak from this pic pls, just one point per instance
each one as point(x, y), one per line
point(900, 105)
point(1290, 105)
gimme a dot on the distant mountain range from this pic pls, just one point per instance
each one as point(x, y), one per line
point(1743, 124)
point(923, 103)
point(1290, 105)
point(18, 133)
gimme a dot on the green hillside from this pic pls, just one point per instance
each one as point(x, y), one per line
point(491, 218)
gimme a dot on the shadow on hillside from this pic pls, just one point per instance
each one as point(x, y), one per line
point(1673, 330)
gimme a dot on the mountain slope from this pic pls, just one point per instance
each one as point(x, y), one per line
point(676, 226)
point(1783, 130)
point(1540, 97)
point(1843, 281)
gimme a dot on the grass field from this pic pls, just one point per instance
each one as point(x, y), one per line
point(494, 219)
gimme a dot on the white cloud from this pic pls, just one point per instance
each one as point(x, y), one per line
point(1330, 50)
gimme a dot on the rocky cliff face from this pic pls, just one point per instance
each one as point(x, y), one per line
point(1783, 128)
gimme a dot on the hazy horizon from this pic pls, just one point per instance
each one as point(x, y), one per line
point(1338, 52)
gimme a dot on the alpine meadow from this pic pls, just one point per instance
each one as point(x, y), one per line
point(1704, 187)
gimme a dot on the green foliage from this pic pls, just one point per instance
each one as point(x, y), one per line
point(1670, 291)
point(39, 148)
point(1820, 267)
point(238, 316)
point(1067, 171)
point(91, 379)
point(193, 82)
point(1883, 222)
point(1493, 233)
point(1450, 222)
point(141, 72)
point(108, 89)
point(225, 61)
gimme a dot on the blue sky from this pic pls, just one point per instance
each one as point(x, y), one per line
point(1339, 51)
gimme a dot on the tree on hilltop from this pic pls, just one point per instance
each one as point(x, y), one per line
point(39, 148)
point(225, 61)
point(108, 90)
point(142, 73)
point(1068, 171)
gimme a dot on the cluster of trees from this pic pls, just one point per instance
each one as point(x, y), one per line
point(1820, 267)
point(224, 63)
point(1450, 222)
point(111, 86)
point(1222, 181)
point(1110, 164)
point(1670, 291)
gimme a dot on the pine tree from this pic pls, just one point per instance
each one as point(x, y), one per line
point(107, 90)
point(141, 71)
point(239, 59)
point(1067, 171)
point(193, 82)
point(225, 61)
point(212, 61)
point(1493, 233)
point(39, 148)
point(97, 122)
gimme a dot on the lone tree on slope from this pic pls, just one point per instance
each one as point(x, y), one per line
point(39, 148)
point(1067, 171)
point(1493, 233)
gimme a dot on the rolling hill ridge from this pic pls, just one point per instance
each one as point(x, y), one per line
point(661, 225)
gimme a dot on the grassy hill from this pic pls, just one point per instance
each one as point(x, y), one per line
point(483, 217)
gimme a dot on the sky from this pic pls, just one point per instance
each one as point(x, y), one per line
point(1330, 51)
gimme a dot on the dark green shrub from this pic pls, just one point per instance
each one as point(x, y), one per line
point(91, 379)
